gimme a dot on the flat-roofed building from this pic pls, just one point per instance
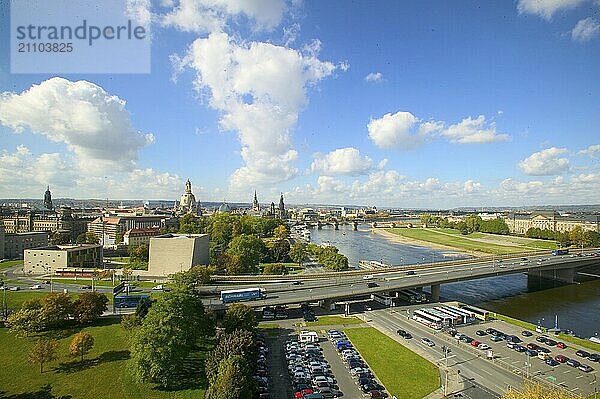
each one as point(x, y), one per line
point(50, 259)
point(136, 237)
point(173, 253)
point(15, 244)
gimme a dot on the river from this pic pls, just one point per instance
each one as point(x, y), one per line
point(577, 305)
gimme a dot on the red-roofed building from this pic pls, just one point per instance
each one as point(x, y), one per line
point(140, 236)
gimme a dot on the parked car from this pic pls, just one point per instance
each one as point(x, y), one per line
point(561, 358)
point(35, 287)
point(561, 345)
point(585, 368)
point(552, 362)
point(594, 357)
point(481, 333)
point(526, 333)
point(582, 353)
point(573, 363)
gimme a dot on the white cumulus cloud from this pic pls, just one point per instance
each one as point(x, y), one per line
point(473, 131)
point(260, 89)
point(545, 163)
point(591, 150)
point(394, 130)
point(204, 16)
point(374, 77)
point(93, 124)
point(585, 30)
point(546, 8)
point(343, 161)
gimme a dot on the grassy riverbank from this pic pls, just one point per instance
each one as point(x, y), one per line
point(474, 242)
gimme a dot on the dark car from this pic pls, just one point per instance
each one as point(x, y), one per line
point(551, 362)
point(573, 363)
point(401, 333)
point(526, 333)
point(585, 368)
point(550, 342)
point(407, 336)
point(519, 348)
point(594, 357)
point(532, 346)
point(541, 339)
point(582, 353)
point(372, 285)
point(86, 287)
point(377, 394)
point(481, 333)
point(531, 352)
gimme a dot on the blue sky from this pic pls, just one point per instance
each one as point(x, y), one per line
point(408, 104)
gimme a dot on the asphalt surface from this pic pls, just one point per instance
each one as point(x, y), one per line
point(339, 370)
point(506, 370)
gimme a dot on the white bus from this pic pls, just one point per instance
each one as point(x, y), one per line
point(427, 319)
point(447, 320)
point(383, 299)
point(481, 314)
point(457, 318)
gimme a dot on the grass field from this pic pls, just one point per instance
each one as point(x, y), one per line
point(10, 263)
point(563, 337)
point(292, 267)
point(334, 321)
point(480, 242)
point(402, 372)
point(103, 374)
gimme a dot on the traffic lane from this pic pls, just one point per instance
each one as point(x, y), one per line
point(470, 365)
point(340, 371)
point(564, 375)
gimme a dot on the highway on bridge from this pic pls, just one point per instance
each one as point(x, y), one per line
point(347, 285)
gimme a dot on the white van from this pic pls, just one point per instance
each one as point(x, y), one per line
point(308, 336)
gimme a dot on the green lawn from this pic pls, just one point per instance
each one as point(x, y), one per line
point(104, 373)
point(334, 321)
point(456, 241)
point(268, 326)
point(10, 263)
point(402, 372)
point(563, 337)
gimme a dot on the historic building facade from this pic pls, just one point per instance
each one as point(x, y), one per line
point(519, 223)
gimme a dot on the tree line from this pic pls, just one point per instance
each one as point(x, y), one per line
point(577, 236)
point(470, 224)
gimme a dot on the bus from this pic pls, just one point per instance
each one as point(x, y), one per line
point(244, 294)
point(459, 318)
point(383, 299)
point(129, 301)
point(407, 296)
point(421, 296)
point(468, 316)
point(427, 319)
point(480, 314)
point(447, 319)
point(557, 252)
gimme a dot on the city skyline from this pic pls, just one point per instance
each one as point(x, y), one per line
point(416, 105)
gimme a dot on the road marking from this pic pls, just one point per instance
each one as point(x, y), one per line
point(484, 371)
point(574, 389)
point(578, 377)
point(567, 372)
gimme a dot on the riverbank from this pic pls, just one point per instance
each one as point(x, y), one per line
point(399, 239)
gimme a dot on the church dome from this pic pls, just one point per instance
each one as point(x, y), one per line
point(224, 208)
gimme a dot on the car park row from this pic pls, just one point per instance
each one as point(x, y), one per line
point(261, 377)
point(357, 367)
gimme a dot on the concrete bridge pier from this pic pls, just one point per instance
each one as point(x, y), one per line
point(336, 226)
point(327, 304)
point(435, 292)
point(354, 226)
point(562, 275)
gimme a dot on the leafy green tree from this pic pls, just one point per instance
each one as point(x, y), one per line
point(231, 381)
point(238, 343)
point(59, 238)
point(42, 352)
point(89, 306)
point(167, 336)
point(576, 236)
point(275, 268)
point(425, 219)
point(536, 391)
point(57, 308)
point(196, 276)
point(279, 251)
point(143, 307)
point(81, 344)
point(87, 238)
point(250, 250)
point(130, 322)
point(139, 252)
point(299, 253)
point(25, 322)
point(591, 239)
point(239, 317)
point(281, 232)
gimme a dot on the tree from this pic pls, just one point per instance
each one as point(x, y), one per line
point(249, 249)
point(239, 317)
point(59, 238)
point(298, 253)
point(43, 351)
point(197, 275)
point(536, 391)
point(87, 238)
point(167, 336)
point(238, 343)
point(81, 344)
point(576, 236)
point(231, 381)
point(279, 251)
point(57, 308)
point(139, 252)
point(281, 232)
point(130, 322)
point(275, 268)
point(25, 322)
point(89, 306)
